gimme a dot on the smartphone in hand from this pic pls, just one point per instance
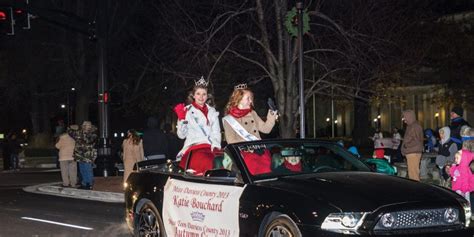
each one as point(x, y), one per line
point(271, 104)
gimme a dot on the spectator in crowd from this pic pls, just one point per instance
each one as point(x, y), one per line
point(85, 152)
point(412, 146)
point(462, 177)
point(396, 155)
point(377, 135)
point(132, 152)
point(379, 150)
point(59, 129)
point(198, 123)
point(174, 143)
point(14, 148)
point(457, 122)
point(431, 142)
point(6, 154)
point(354, 151)
point(155, 143)
point(396, 139)
point(446, 152)
point(67, 164)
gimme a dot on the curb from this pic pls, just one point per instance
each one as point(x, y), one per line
point(56, 190)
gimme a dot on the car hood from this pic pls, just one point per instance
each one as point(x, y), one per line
point(361, 191)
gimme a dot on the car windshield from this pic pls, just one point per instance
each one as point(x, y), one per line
point(273, 159)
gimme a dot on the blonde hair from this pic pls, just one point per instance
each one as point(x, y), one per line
point(236, 97)
point(469, 144)
point(458, 154)
point(133, 137)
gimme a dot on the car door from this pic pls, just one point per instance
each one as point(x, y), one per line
point(204, 204)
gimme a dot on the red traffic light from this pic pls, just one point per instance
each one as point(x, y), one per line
point(3, 16)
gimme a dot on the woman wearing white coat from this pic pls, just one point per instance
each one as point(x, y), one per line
point(198, 123)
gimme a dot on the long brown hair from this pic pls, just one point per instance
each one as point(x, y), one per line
point(133, 137)
point(236, 97)
point(190, 97)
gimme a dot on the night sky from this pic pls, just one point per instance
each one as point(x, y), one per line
point(155, 49)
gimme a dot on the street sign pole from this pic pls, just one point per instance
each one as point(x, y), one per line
point(299, 8)
point(104, 159)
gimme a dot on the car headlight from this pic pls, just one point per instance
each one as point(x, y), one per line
point(387, 220)
point(451, 215)
point(346, 222)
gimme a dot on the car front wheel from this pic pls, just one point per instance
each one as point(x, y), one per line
point(282, 226)
point(149, 223)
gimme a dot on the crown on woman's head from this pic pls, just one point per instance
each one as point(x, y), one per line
point(240, 86)
point(201, 82)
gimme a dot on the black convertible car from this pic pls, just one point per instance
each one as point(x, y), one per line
point(288, 188)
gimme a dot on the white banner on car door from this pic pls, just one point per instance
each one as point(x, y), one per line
point(197, 209)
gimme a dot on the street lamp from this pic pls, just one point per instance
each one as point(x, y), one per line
point(63, 106)
point(378, 121)
point(437, 118)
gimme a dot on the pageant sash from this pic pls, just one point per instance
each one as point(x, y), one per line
point(239, 129)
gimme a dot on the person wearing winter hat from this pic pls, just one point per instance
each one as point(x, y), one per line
point(353, 150)
point(412, 146)
point(446, 152)
point(457, 121)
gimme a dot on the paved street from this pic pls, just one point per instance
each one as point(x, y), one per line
point(28, 214)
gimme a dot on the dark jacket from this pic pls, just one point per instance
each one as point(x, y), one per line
point(413, 138)
point(155, 142)
point(456, 125)
point(14, 146)
point(174, 145)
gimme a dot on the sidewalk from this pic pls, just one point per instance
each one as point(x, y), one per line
point(108, 189)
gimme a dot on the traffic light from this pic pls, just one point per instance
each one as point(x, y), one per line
point(22, 18)
point(91, 30)
point(7, 22)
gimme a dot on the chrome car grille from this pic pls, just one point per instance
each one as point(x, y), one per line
point(417, 219)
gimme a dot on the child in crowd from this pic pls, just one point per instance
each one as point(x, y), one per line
point(446, 151)
point(462, 177)
point(379, 149)
point(353, 150)
point(461, 174)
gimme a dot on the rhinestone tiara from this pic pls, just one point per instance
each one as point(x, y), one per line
point(201, 82)
point(240, 86)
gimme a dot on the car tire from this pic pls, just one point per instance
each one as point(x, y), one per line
point(149, 222)
point(281, 225)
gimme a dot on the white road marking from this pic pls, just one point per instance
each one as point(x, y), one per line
point(57, 223)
